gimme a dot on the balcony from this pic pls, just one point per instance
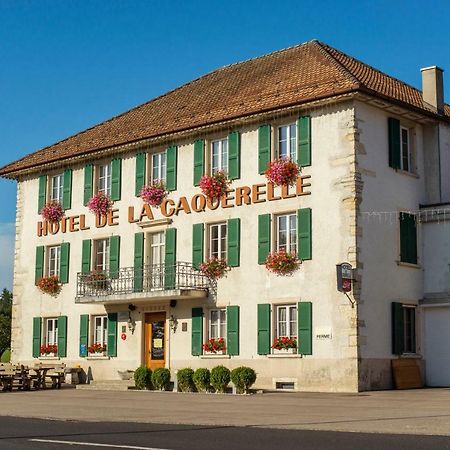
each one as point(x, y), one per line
point(151, 282)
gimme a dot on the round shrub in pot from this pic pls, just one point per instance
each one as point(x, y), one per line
point(185, 381)
point(243, 378)
point(161, 379)
point(220, 377)
point(201, 380)
point(143, 378)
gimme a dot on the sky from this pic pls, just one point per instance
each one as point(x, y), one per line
point(67, 65)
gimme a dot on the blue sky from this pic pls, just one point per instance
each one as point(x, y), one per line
point(66, 65)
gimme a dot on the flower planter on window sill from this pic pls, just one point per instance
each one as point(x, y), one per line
point(284, 354)
point(215, 356)
point(93, 356)
point(285, 351)
point(47, 357)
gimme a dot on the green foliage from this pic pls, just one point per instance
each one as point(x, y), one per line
point(201, 379)
point(220, 377)
point(161, 379)
point(185, 382)
point(6, 356)
point(5, 320)
point(143, 378)
point(243, 378)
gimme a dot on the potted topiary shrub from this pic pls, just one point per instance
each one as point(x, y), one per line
point(161, 379)
point(220, 377)
point(185, 381)
point(143, 378)
point(201, 380)
point(243, 378)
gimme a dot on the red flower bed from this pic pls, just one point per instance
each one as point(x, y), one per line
point(50, 285)
point(282, 171)
point(214, 345)
point(52, 212)
point(97, 348)
point(49, 349)
point(282, 263)
point(214, 186)
point(284, 343)
point(214, 268)
point(154, 194)
point(100, 204)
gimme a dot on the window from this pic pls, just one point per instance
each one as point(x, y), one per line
point(218, 240)
point(405, 160)
point(104, 179)
point(408, 238)
point(287, 141)
point(409, 329)
point(158, 169)
point(56, 188)
point(286, 321)
point(219, 155)
point(101, 255)
point(54, 260)
point(217, 324)
point(51, 331)
point(286, 233)
point(100, 332)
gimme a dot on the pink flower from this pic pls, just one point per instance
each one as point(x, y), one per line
point(214, 186)
point(214, 268)
point(100, 204)
point(52, 212)
point(282, 171)
point(154, 194)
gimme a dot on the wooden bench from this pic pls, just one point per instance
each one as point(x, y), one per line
point(7, 374)
point(56, 373)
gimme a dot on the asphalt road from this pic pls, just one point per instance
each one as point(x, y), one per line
point(20, 433)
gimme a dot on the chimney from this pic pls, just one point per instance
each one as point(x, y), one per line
point(433, 88)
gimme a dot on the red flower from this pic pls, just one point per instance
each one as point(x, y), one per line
point(282, 263)
point(282, 171)
point(214, 345)
point(214, 268)
point(214, 186)
point(49, 285)
point(48, 349)
point(285, 343)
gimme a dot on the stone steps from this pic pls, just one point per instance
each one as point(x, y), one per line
point(107, 385)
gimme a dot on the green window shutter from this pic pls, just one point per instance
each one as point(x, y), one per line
point(138, 261)
point(64, 263)
point(234, 155)
point(67, 189)
point(397, 328)
point(304, 141)
point(264, 338)
point(39, 267)
point(84, 334)
point(170, 259)
point(62, 336)
point(141, 162)
point(171, 168)
point(408, 238)
point(199, 160)
point(197, 331)
point(112, 335)
point(42, 197)
point(264, 141)
point(304, 320)
point(263, 237)
point(394, 142)
point(232, 330)
point(116, 177)
point(114, 256)
point(88, 182)
point(197, 244)
point(304, 233)
point(37, 324)
point(86, 256)
point(233, 242)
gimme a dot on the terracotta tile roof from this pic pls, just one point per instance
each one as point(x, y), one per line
point(296, 75)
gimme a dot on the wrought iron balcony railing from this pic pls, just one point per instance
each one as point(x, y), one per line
point(149, 278)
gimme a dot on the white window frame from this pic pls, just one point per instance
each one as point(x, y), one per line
point(221, 240)
point(104, 266)
point(57, 188)
point(291, 232)
point(103, 319)
point(413, 330)
point(290, 322)
point(220, 323)
point(408, 149)
point(51, 337)
point(53, 260)
point(104, 179)
point(288, 127)
point(158, 166)
point(222, 155)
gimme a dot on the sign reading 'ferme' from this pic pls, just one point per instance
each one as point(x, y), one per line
point(244, 195)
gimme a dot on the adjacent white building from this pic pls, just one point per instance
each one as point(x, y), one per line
point(374, 154)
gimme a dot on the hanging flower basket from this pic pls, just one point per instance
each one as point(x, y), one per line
point(214, 268)
point(49, 350)
point(282, 263)
point(154, 194)
point(285, 343)
point(215, 345)
point(282, 171)
point(214, 186)
point(97, 280)
point(50, 285)
point(100, 204)
point(52, 212)
point(96, 349)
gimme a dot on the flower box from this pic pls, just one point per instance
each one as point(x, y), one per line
point(100, 204)
point(282, 263)
point(52, 212)
point(49, 285)
point(97, 350)
point(214, 186)
point(214, 268)
point(154, 194)
point(282, 171)
point(285, 344)
point(50, 350)
point(215, 346)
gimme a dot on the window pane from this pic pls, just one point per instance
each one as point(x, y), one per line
point(224, 159)
point(405, 149)
point(215, 157)
point(293, 141)
point(293, 233)
point(282, 142)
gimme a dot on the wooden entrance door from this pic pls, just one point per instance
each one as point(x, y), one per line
point(155, 340)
